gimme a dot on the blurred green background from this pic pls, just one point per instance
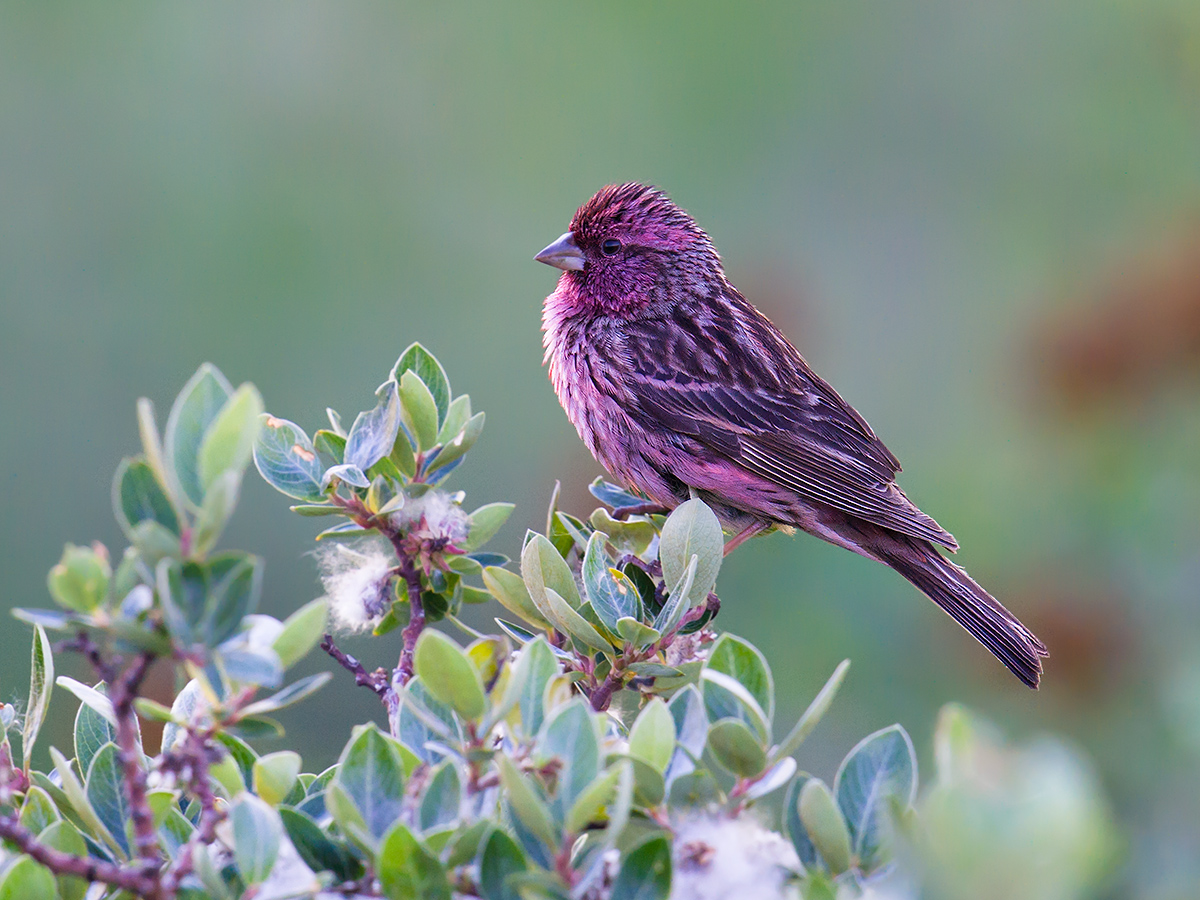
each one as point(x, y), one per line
point(980, 222)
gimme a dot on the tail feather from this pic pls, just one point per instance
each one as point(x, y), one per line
point(967, 603)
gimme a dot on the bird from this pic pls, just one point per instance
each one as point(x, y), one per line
point(681, 388)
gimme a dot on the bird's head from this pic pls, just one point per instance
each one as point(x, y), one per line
point(629, 244)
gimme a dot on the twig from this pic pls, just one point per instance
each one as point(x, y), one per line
point(141, 880)
point(123, 691)
point(416, 622)
point(377, 681)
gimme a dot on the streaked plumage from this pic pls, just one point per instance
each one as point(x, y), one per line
point(677, 383)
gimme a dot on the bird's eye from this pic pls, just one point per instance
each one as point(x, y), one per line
point(611, 246)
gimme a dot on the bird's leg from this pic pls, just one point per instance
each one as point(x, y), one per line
point(640, 509)
point(744, 535)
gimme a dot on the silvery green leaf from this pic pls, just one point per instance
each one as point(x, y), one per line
point(138, 497)
point(726, 697)
point(257, 832)
point(41, 683)
point(793, 828)
point(374, 432)
point(347, 472)
point(448, 674)
point(228, 441)
point(370, 775)
point(424, 365)
point(610, 592)
point(612, 495)
point(194, 410)
point(882, 765)
point(645, 872)
point(485, 522)
point(302, 630)
point(251, 665)
point(408, 870)
point(418, 411)
point(652, 735)
point(292, 694)
point(107, 795)
point(501, 857)
point(90, 696)
point(691, 530)
point(825, 825)
point(286, 459)
point(92, 731)
point(775, 778)
point(569, 734)
point(442, 797)
point(456, 447)
point(673, 610)
point(742, 661)
point(737, 748)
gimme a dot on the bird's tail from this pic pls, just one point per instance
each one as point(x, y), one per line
point(967, 603)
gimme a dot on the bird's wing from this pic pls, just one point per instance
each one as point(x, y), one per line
point(808, 440)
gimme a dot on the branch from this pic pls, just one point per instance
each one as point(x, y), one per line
point(416, 622)
point(377, 681)
point(123, 692)
point(141, 880)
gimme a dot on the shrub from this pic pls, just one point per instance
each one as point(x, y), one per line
point(607, 742)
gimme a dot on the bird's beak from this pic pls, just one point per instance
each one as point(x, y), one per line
point(563, 254)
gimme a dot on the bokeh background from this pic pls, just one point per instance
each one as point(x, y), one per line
point(980, 222)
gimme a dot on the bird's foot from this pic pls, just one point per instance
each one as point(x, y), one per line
point(641, 509)
point(744, 535)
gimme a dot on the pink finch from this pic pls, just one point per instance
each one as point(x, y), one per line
point(678, 385)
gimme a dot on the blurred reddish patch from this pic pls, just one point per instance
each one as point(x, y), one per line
point(1093, 642)
point(1138, 332)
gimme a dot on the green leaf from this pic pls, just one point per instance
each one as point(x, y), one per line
point(633, 536)
point(725, 697)
point(652, 737)
point(692, 529)
point(228, 442)
point(816, 710)
point(569, 734)
point(371, 775)
point(330, 444)
point(501, 858)
point(457, 415)
point(153, 541)
point(38, 811)
point(408, 871)
point(736, 748)
point(645, 873)
point(591, 803)
point(458, 445)
point(79, 581)
point(233, 594)
point(152, 447)
point(292, 694)
point(65, 837)
point(424, 365)
point(25, 879)
point(274, 775)
point(671, 614)
point(568, 621)
point(285, 458)
point(881, 766)
point(509, 589)
point(634, 632)
point(316, 849)
point(194, 410)
point(743, 662)
point(825, 825)
point(527, 804)
point(448, 675)
point(257, 832)
point(612, 595)
point(302, 631)
point(92, 731)
point(442, 797)
point(542, 666)
point(90, 696)
point(41, 683)
point(423, 719)
point(418, 411)
point(374, 432)
point(77, 796)
point(485, 522)
point(542, 567)
point(138, 497)
point(793, 828)
point(220, 499)
point(106, 794)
